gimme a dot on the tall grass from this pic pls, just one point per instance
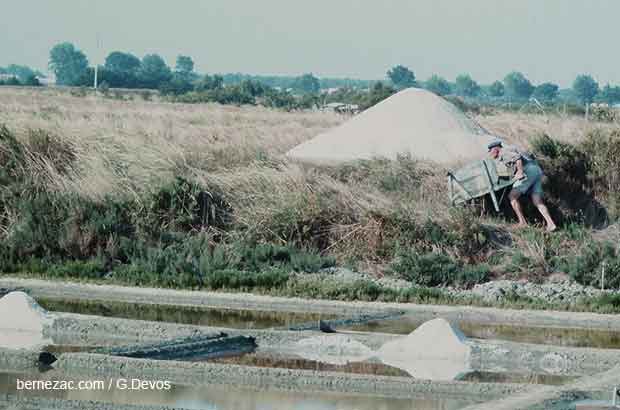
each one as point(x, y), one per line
point(125, 186)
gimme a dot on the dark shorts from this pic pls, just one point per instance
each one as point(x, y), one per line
point(532, 185)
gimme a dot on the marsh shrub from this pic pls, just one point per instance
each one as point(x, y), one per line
point(51, 148)
point(181, 206)
point(586, 266)
point(436, 269)
point(400, 176)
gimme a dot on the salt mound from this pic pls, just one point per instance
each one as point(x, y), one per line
point(436, 351)
point(333, 349)
point(22, 322)
point(413, 121)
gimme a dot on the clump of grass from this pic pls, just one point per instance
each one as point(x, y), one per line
point(436, 269)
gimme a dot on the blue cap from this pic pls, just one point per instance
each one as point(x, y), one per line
point(496, 143)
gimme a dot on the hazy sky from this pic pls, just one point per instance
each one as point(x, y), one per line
point(548, 40)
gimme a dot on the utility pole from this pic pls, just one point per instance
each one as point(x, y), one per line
point(96, 63)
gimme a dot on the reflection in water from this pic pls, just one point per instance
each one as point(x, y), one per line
point(376, 368)
point(539, 335)
point(271, 360)
point(231, 318)
point(231, 398)
point(532, 378)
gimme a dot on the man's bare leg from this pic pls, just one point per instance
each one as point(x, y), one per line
point(516, 206)
point(544, 211)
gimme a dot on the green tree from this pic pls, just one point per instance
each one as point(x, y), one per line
point(307, 83)
point(378, 93)
point(22, 72)
point(154, 72)
point(402, 77)
point(210, 83)
point(546, 92)
point(122, 62)
point(12, 81)
point(32, 81)
point(466, 87)
point(68, 64)
point(609, 95)
point(121, 70)
point(438, 85)
point(585, 88)
point(185, 65)
point(496, 89)
point(517, 86)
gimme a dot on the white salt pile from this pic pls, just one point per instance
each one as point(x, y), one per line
point(413, 121)
point(436, 351)
point(333, 349)
point(23, 322)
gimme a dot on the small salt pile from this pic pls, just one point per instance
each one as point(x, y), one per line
point(23, 322)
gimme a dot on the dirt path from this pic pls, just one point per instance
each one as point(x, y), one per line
point(532, 318)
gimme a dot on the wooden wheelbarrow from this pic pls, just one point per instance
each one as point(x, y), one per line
point(476, 180)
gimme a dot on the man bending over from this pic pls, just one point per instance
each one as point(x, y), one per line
point(528, 181)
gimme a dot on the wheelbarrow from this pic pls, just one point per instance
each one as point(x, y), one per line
point(478, 179)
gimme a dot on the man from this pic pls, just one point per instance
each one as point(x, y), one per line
point(528, 181)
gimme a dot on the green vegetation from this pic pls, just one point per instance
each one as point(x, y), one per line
point(402, 77)
point(517, 86)
point(585, 88)
point(438, 85)
point(237, 235)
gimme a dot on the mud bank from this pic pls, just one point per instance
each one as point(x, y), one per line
point(18, 359)
point(36, 403)
point(492, 356)
point(62, 290)
point(202, 373)
point(555, 398)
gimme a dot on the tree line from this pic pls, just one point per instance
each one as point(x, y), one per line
point(125, 70)
point(20, 75)
point(514, 86)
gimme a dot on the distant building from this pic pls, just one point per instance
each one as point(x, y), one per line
point(342, 108)
point(49, 81)
point(5, 77)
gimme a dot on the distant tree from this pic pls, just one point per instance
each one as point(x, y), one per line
point(466, 87)
point(12, 81)
point(154, 72)
point(210, 83)
point(67, 63)
point(496, 89)
point(178, 85)
point(585, 88)
point(22, 72)
point(546, 92)
point(377, 93)
point(402, 77)
point(32, 81)
point(121, 70)
point(517, 86)
point(254, 88)
point(609, 95)
point(184, 65)
point(122, 62)
point(307, 83)
point(438, 85)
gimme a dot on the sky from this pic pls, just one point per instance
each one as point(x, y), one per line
point(547, 40)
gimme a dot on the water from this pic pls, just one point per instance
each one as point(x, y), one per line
point(522, 334)
point(214, 397)
point(374, 367)
point(247, 319)
point(230, 318)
